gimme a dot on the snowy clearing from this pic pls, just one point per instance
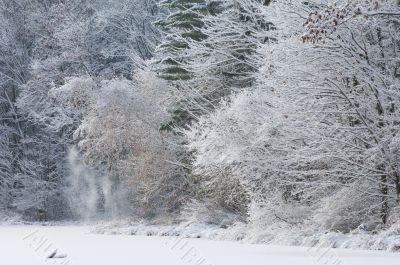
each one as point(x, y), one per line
point(32, 245)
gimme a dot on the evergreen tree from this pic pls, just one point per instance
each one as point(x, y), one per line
point(209, 50)
point(182, 25)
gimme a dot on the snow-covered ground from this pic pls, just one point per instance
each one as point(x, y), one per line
point(30, 245)
point(387, 240)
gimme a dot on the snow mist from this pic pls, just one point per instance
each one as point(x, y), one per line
point(91, 193)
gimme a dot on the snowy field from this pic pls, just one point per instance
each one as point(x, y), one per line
point(31, 245)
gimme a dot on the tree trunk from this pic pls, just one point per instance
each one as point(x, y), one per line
point(397, 184)
point(384, 192)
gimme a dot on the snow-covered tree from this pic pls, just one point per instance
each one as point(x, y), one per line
point(14, 61)
point(121, 131)
point(217, 111)
point(74, 38)
point(210, 50)
point(183, 23)
point(323, 119)
point(47, 127)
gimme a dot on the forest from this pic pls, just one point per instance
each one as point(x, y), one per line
point(262, 112)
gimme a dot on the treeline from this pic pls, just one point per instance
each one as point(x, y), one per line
point(210, 111)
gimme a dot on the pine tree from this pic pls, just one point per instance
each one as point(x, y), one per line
point(181, 26)
point(210, 50)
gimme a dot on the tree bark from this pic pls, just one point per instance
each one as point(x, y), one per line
point(385, 205)
point(397, 184)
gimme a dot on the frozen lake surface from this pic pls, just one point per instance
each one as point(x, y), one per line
point(75, 245)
